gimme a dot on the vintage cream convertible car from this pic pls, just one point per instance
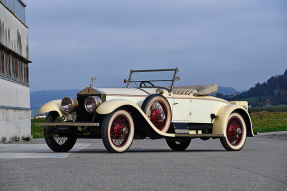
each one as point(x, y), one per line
point(150, 106)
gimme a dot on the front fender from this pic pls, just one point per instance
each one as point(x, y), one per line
point(220, 122)
point(54, 105)
point(111, 105)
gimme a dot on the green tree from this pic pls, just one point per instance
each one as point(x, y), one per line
point(219, 95)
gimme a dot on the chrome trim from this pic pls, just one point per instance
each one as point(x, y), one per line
point(91, 91)
point(156, 70)
point(75, 104)
point(97, 101)
point(182, 131)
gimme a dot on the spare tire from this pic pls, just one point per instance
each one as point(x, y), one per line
point(158, 111)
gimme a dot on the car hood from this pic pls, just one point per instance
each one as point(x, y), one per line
point(127, 91)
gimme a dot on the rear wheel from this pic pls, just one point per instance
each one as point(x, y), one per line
point(118, 131)
point(178, 145)
point(58, 140)
point(235, 133)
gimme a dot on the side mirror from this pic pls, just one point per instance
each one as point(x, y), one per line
point(177, 78)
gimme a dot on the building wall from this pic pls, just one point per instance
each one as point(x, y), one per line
point(15, 113)
point(13, 33)
point(15, 125)
point(14, 95)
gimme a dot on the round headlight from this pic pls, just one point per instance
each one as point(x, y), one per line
point(69, 105)
point(91, 103)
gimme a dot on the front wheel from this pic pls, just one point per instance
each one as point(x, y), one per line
point(178, 145)
point(58, 140)
point(235, 136)
point(118, 131)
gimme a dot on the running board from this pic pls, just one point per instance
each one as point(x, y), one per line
point(199, 135)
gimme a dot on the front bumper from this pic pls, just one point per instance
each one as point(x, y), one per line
point(75, 124)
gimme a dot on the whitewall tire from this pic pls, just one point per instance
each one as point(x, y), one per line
point(235, 133)
point(118, 131)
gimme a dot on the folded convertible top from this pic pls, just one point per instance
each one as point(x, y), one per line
point(197, 90)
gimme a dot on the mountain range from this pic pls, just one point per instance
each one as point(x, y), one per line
point(271, 92)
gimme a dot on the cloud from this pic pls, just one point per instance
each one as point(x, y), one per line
point(232, 43)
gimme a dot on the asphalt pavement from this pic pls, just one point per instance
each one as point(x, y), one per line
point(147, 165)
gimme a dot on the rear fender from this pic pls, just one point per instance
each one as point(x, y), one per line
point(220, 122)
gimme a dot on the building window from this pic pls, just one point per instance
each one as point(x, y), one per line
point(17, 7)
point(2, 62)
point(13, 67)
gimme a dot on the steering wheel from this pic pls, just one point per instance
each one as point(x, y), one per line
point(144, 83)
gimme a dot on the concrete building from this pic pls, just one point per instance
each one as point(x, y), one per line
point(15, 113)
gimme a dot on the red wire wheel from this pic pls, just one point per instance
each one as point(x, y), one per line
point(235, 136)
point(157, 109)
point(234, 131)
point(157, 113)
point(118, 131)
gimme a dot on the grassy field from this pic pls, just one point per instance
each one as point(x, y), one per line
point(277, 108)
point(262, 122)
point(37, 131)
point(269, 121)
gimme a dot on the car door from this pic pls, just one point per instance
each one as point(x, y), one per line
point(181, 110)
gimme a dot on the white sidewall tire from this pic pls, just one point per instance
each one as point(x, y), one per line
point(243, 139)
point(131, 133)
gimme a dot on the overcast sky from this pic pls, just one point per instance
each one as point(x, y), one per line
point(234, 43)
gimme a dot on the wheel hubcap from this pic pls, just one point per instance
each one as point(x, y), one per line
point(125, 131)
point(162, 115)
point(239, 131)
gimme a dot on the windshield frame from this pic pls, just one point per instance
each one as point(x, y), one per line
point(156, 70)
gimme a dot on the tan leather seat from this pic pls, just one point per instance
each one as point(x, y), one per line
point(200, 90)
point(183, 91)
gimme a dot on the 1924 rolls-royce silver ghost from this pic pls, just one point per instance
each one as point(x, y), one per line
point(150, 106)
